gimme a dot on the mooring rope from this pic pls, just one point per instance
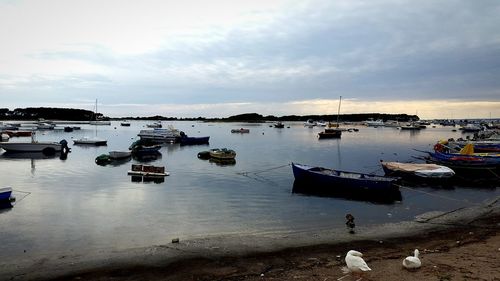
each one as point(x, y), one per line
point(20, 191)
point(437, 195)
point(263, 171)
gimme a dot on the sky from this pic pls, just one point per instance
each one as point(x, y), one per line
point(217, 58)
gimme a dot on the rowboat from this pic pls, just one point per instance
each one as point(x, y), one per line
point(336, 179)
point(185, 140)
point(414, 170)
point(222, 153)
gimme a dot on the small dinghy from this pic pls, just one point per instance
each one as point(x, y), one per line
point(425, 171)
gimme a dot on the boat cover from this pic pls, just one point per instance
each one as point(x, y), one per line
point(421, 170)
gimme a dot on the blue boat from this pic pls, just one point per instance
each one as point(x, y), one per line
point(5, 194)
point(465, 161)
point(185, 140)
point(335, 179)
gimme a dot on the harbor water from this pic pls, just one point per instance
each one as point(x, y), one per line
point(70, 205)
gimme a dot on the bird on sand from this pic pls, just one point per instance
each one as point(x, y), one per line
point(355, 265)
point(412, 262)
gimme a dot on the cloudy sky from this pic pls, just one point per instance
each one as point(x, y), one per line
point(439, 59)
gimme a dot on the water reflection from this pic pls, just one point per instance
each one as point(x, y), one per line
point(367, 196)
point(223, 162)
point(149, 157)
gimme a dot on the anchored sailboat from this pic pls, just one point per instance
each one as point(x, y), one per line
point(92, 140)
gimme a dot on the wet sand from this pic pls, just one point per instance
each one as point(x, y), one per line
point(459, 245)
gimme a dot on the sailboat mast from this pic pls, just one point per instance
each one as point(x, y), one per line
point(338, 112)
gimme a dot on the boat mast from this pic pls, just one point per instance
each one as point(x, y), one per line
point(338, 112)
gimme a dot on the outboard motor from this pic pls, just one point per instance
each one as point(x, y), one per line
point(182, 134)
point(64, 146)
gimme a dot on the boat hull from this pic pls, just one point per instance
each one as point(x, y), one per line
point(5, 194)
point(342, 180)
point(31, 147)
point(90, 142)
point(194, 140)
point(222, 154)
point(119, 154)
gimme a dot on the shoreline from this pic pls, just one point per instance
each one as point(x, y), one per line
point(209, 258)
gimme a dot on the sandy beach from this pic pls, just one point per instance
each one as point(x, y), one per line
point(458, 245)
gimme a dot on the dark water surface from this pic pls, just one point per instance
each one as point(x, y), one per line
point(76, 206)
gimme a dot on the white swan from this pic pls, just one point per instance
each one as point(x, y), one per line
point(412, 262)
point(355, 264)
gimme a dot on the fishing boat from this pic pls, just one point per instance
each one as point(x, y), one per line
point(414, 170)
point(185, 140)
point(5, 194)
point(35, 146)
point(222, 153)
point(241, 131)
point(336, 179)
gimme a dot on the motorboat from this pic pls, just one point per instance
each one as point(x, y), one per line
point(330, 133)
point(34, 146)
point(185, 140)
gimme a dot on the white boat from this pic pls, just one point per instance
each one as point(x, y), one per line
point(428, 171)
point(34, 146)
point(374, 123)
point(310, 123)
point(161, 135)
point(154, 125)
point(119, 154)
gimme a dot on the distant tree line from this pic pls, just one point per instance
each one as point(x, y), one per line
point(48, 113)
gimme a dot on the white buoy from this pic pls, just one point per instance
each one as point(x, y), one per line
point(412, 262)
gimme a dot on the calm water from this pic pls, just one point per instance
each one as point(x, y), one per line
point(76, 206)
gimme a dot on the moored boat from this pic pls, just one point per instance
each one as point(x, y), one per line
point(336, 179)
point(241, 131)
point(35, 146)
point(222, 153)
point(330, 133)
point(414, 170)
point(5, 194)
point(117, 154)
point(279, 125)
point(185, 140)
